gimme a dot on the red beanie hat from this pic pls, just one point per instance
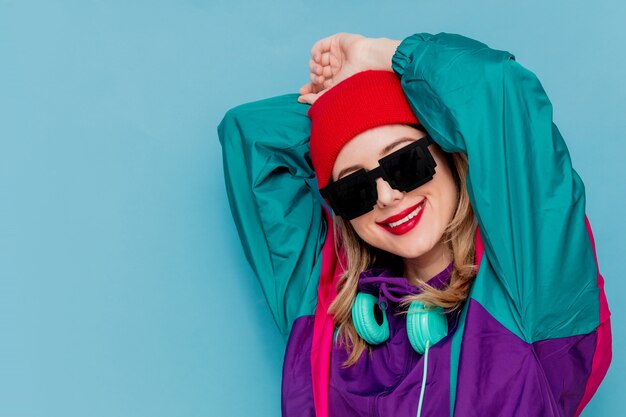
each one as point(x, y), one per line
point(365, 100)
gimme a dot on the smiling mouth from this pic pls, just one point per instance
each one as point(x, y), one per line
point(395, 220)
point(402, 225)
point(407, 218)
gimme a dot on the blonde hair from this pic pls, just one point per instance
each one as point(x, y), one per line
point(360, 256)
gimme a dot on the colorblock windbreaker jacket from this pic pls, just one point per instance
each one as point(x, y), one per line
point(532, 339)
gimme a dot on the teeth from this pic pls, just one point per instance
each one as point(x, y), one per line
point(407, 218)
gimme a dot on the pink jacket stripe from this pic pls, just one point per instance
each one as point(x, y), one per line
point(603, 353)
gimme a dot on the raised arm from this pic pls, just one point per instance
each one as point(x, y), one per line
point(273, 197)
point(529, 201)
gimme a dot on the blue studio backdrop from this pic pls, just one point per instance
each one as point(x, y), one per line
point(123, 287)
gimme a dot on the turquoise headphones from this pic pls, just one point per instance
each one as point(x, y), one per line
point(423, 326)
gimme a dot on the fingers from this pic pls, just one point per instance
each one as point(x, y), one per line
point(308, 98)
point(311, 97)
point(306, 88)
point(323, 66)
point(321, 46)
point(320, 76)
point(310, 88)
point(322, 62)
point(323, 69)
point(313, 88)
point(321, 72)
point(325, 61)
point(314, 67)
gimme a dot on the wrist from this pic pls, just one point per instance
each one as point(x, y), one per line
point(380, 53)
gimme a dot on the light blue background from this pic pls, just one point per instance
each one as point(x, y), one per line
point(123, 287)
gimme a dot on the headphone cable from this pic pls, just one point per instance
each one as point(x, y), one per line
point(419, 407)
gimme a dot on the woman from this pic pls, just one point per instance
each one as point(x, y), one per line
point(457, 271)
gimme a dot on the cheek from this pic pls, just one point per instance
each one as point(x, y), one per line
point(443, 200)
point(360, 225)
point(366, 228)
point(450, 198)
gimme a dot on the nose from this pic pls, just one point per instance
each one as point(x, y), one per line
point(387, 195)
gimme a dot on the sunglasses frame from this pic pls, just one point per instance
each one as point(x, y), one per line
point(329, 191)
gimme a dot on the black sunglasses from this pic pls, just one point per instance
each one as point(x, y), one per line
point(405, 170)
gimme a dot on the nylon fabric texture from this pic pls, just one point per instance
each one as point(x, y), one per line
point(533, 338)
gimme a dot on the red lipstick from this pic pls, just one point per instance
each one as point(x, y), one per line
point(406, 226)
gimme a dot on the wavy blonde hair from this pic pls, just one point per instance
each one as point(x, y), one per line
point(360, 256)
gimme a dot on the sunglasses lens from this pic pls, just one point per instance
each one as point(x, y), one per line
point(354, 195)
point(409, 169)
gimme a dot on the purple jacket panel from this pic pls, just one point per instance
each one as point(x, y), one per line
point(499, 374)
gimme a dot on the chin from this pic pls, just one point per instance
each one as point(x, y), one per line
point(417, 247)
point(412, 253)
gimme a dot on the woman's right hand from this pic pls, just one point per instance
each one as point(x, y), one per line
point(339, 56)
point(334, 59)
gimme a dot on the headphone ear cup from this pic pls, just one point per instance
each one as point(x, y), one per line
point(369, 320)
point(425, 326)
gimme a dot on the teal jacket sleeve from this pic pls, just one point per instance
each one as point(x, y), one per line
point(272, 191)
point(540, 276)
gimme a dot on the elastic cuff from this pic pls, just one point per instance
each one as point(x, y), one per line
point(403, 55)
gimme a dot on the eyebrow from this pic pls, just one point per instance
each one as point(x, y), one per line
point(382, 153)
